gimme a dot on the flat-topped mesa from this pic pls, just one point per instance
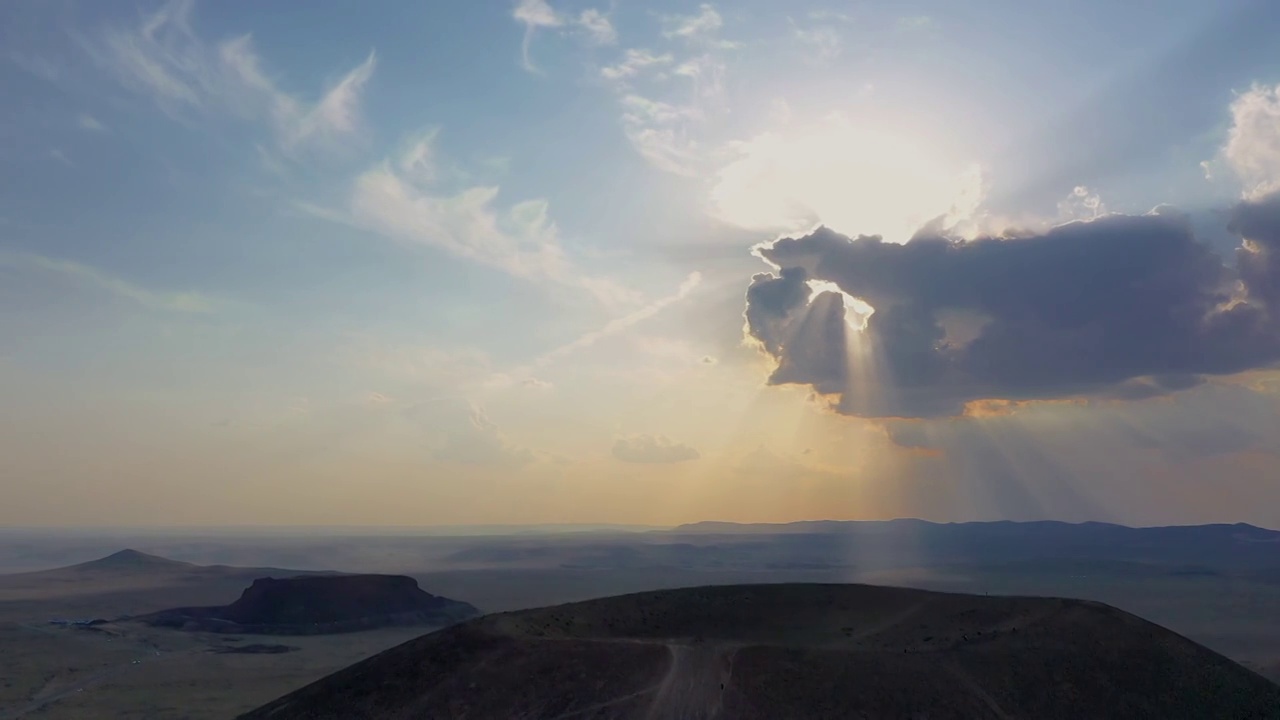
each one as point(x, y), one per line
point(327, 599)
point(315, 604)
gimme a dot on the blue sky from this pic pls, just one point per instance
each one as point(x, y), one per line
point(405, 260)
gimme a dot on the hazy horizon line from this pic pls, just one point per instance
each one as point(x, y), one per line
point(524, 528)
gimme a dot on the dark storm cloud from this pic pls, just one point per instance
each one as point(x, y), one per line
point(1215, 420)
point(1258, 222)
point(1126, 306)
point(772, 300)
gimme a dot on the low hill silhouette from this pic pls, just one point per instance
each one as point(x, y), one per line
point(132, 560)
point(135, 563)
point(798, 651)
point(130, 583)
point(876, 545)
point(318, 604)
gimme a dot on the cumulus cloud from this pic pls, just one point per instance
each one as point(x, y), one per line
point(1113, 305)
point(164, 58)
point(652, 449)
point(1252, 149)
point(1258, 259)
point(1081, 204)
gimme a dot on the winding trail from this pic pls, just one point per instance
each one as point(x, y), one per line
point(694, 686)
point(607, 704)
point(973, 686)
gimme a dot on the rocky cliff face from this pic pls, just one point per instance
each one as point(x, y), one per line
point(320, 604)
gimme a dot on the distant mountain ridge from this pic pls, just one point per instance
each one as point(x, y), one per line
point(1223, 546)
point(884, 544)
point(825, 526)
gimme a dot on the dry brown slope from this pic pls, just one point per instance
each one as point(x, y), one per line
point(794, 651)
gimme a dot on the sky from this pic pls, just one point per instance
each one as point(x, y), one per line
point(562, 261)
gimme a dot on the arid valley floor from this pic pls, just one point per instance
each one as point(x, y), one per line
point(1217, 585)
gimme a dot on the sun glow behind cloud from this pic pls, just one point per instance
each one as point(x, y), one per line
point(856, 179)
point(470, 310)
point(856, 312)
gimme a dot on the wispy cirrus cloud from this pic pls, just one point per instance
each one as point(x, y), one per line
point(164, 58)
point(620, 324)
point(597, 26)
point(660, 132)
point(634, 62)
point(417, 363)
point(662, 120)
point(479, 441)
point(91, 123)
point(38, 65)
point(188, 302)
point(536, 15)
point(821, 41)
point(335, 115)
point(469, 372)
point(703, 27)
point(653, 449)
point(400, 198)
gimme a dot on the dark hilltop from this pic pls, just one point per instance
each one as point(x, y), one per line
point(130, 560)
point(320, 604)
point(794, 651)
